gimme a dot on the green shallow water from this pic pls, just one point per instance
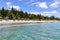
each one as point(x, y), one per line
point(40, 31)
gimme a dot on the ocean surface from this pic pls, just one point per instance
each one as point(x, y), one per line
point(35, 31)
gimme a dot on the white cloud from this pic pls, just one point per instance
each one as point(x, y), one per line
point(49, 13)
point(54, 12)
point(15, 7)
point(29, 1)
point(20, 0)
point(41, 4)
point(57, 0)
point(55, 4)
point(46, 13)
point(10, 5)
point(34, 13)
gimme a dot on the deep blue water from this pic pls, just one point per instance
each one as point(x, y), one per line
point(39, 31)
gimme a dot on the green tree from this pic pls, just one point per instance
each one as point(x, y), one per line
point(21, 13)
point(52, 18)
point(3, 13)
point(11, 16)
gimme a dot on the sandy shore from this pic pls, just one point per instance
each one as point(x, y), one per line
point(9, 23)
point(22, 21)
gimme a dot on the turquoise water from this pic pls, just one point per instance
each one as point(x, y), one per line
point(40, 31)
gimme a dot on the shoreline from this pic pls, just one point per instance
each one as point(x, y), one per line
point(24, 21)
point(9, 23)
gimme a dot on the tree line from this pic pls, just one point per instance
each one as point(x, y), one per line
point(20, 15)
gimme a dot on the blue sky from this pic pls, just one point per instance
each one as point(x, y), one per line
point(44, 7)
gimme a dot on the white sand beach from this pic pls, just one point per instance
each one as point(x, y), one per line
point(23, 21)
point(3, 23)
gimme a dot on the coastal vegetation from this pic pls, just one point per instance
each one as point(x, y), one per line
point(14, 14)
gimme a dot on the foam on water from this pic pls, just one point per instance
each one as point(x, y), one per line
point(41, 31)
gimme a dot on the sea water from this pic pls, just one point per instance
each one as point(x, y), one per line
point(38, 31)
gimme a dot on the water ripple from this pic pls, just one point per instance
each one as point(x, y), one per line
point(42, 31)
